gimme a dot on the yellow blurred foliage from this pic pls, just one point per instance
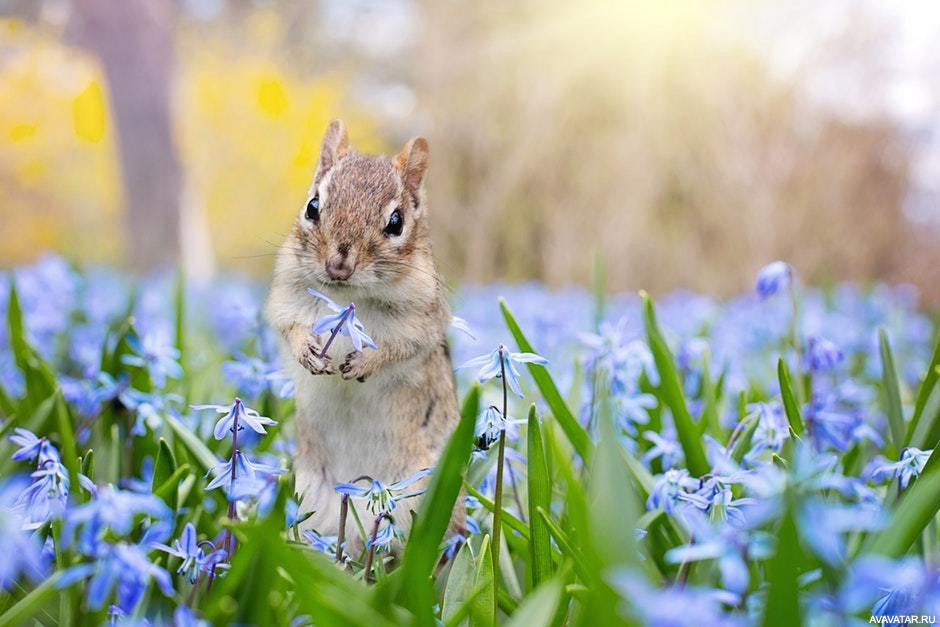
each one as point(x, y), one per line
point(89, 113)
point(247, 129)
point(59, 177)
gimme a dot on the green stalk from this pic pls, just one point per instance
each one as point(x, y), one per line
point(498, 499)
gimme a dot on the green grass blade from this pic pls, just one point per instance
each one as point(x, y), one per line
point(743, 445)
point(29, 605)
point(916, 509)
point(192, 442)
point(538, 609)
point(543, 380)
point(67, 440)
point(567, 547)
point(38, 378)
point(540, 495)
point(927, 432)
point(783, 601)
point(460, 581)
point(790, 407)
point(892, 392)
point(509, 520)
point(927, 388)
point(670, 390)
point(434, 515)
point(168, 490)
point(482, 612)
point(164, 466)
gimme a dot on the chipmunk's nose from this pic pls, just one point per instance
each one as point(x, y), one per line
point(340, 265)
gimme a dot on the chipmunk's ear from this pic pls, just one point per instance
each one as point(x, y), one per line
point(335, 145)
point(412, 162)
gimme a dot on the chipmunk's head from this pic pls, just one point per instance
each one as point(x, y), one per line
point(362, 224)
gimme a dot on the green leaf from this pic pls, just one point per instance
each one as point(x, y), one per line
point(567, 547)
point(164, 466)
point(195, 446)
point(538, 608)
point(916, 509)
point(67, 439)
point(543, 380)
point(482, 614)
point(168, 490)
point(540, 495)
point(743, 444)
point(27, 607)
point(38, 377)
point(892, 392)
point(613, 502)
point(670, 389)
point(927, 388)
point(88, 464)
point(434, 515)
point(459, 588)
point(790, 406)
point(782, 571)
point(927, 432)
point(509, 520)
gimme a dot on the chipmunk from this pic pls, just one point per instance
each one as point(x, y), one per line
point(362, 237)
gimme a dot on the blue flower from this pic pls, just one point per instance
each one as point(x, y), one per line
point(822, 355)
point(248, 375)
point(148, 408)
point(669, 488)
point(824, 524)
point(342, 320)
point(22, 552)
point(324, 544)
point(236, 413)
point(490, 423)
point(247, 472)
point(668, 450)
point(885, 587)
point(385, 536)
point(773, 278)
point(31, 446)
point(730, 547)
point(157, 355)
point(493, 364)
point(48, 495)
point(676, 606)
point(123, 567)
point(381, 498)
point(188, 549)
point(184, 617)
point(910, 465)
point(772, 430)
point(113, 510)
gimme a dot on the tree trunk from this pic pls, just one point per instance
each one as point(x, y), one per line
point(133, 40)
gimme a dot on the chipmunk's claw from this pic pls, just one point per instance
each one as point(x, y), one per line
point(311, 360)
point(355, 367)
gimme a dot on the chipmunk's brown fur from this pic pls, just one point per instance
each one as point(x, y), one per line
point(383, 413)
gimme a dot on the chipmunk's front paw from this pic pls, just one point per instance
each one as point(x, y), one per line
point(357, 366)
point(311, 360)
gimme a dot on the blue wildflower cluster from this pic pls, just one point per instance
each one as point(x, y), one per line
point(766, 459)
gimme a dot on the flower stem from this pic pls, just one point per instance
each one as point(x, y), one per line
point(367, 569)
point(232, 512)
point(337, 329)
point(498, 498)
point(341, 534)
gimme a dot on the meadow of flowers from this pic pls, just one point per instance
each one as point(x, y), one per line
point(765, 460)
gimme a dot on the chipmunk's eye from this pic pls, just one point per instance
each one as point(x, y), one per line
point(313, 209)
point(395, 223)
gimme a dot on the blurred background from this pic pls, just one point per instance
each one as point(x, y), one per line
point(680, 144)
